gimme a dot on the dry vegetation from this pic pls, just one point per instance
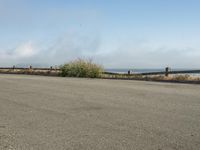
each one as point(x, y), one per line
point(88, 69)
point(153, 77)
point(81, 68)
point(30, 71)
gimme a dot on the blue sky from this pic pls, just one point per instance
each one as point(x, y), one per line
point(114, 33)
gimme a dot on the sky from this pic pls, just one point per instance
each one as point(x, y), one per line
point(113, 33)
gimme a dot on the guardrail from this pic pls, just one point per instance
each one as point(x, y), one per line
point(171, 72)
point(166, 72)
point(29, 68)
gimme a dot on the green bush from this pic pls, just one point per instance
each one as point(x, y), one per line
point(81, 68)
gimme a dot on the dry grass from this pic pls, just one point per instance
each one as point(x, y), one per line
point(81, 68)
point(154, 77)
point(30, 71)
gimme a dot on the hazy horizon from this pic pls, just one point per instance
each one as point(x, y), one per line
point(114, 33)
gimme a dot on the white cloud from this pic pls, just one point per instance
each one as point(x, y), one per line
point(63, 49)
point(25, 50)
point(121, 55)
point(22, 53)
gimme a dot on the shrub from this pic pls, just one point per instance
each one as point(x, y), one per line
point(81, 68)
point(157, 77)
point(181, 77)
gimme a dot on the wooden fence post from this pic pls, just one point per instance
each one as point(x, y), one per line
point(167, 71)
point(129, 72)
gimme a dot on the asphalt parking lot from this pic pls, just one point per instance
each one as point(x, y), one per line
point(52, 113)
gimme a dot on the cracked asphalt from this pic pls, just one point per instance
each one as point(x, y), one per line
point(54, 113)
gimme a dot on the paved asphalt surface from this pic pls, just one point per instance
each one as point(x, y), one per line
point(52, 113)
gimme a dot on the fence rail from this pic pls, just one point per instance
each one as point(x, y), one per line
point(27, 68)
point(166, 72)
point(171, 72)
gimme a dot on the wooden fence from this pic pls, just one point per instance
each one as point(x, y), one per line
point(29, 68)
point(166, 72)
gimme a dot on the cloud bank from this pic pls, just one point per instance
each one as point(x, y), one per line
point(132, 54)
